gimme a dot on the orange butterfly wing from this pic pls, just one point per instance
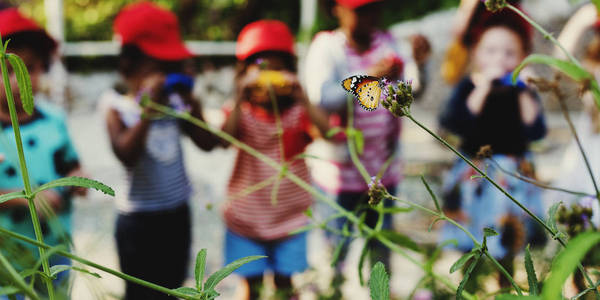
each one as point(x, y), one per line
point(366, 89)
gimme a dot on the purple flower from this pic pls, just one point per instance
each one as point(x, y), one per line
point(397, 96)
point(377, 191)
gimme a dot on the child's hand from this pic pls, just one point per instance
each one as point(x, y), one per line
point(246, 82)
point(485, 77)
point(387, 67)
point(153, 86)
point(48, 199)
point(298, 93)
point(421, 48)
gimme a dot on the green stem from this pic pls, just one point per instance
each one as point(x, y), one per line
point(351, 141)
point(297, 180)
point(483, 174)
point(443, 217)
point(24, 173)
point(537, 183)
point(546, 34)
point(17, 278)
point(97, 266)
point(565, 112)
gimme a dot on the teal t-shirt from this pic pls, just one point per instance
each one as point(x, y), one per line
point(50, 155)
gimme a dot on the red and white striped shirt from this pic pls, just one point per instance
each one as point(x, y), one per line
point(254, 215)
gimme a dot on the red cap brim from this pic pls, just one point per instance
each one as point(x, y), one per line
point(168, 51)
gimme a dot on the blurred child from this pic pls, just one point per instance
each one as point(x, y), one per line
point(153, 224)
point(258, 224)
point(48, 149)
point(469, 16)
point(486, 109)
point(356, 47)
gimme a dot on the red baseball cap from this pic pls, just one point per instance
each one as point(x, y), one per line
point(353, 4)
point(153, 29)
point(13, 22)
point(264, 35)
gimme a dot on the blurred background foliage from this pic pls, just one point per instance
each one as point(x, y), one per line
point(91, 20)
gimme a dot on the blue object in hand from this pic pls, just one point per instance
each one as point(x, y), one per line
point(178, 81)
point(507, 80)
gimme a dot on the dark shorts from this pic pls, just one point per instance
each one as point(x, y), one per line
point(155, 247)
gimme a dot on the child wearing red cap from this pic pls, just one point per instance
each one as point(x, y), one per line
point(48, 148)
point(357, 47)
point(258, 223)
point(486, 109)
point(153, 224)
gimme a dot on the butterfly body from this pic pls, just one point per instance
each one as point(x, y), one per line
point(366, 89)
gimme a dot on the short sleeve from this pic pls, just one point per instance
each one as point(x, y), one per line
point(321, 77)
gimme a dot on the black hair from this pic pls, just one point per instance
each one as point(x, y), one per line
point(37, 41)
point(289, 61)
point(131, 58)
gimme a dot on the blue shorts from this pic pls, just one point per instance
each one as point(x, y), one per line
point(284, 257)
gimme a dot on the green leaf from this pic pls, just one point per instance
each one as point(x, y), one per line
point(333, 131)
point(219, 275)
point(487, 232)
point(188, 291)
point(435, 199)
point(568, 68)
point(361, 261)
point(531, 277)
point(308, 212)
point(23, 81)
point(77, 181)
point(400, 239)
point(82, 270)
point(566, 261)
point(463, 282)
point(551, 221)
point(8, 290)
point(595, 91)
point(359, 141)
point(11, 196)
point(200, 268)
point(461, 261)
point(54, 270)
point(338, 251)
point(379, 283)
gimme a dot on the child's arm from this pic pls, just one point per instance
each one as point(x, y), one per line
point(127, 143)
point(202, 138)
point(532, 116)
point(231, 124)
point(456, 116)
point(52, 198)
point(317, 116)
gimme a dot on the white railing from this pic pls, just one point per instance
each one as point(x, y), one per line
point(109, 48)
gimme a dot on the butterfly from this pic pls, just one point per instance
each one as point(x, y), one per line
point(366, 89)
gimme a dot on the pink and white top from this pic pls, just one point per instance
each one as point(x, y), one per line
point(250, 212)
point(329, 60)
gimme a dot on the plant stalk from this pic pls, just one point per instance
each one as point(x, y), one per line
point(25, 174)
